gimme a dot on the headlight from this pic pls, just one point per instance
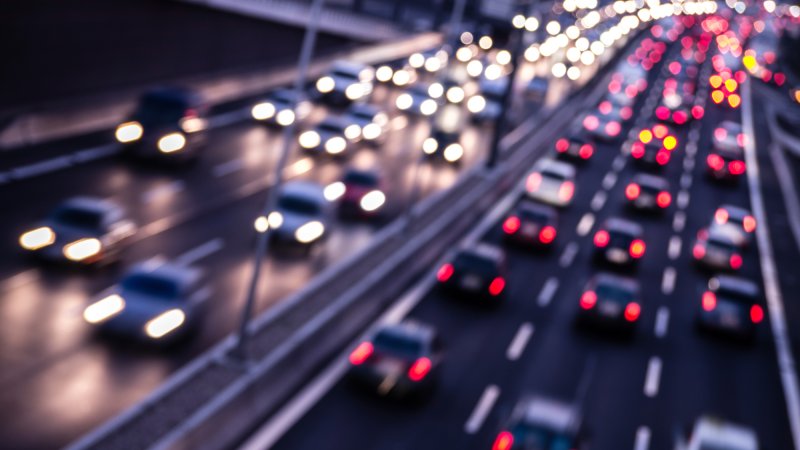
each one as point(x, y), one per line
point(372, 201)
point(476, 104)
point(433, 64)
point(263, 111)
point(285, 117)
point(401, 78)
point(104, 309)
point(164, 323)
point(430, 145)
point(428, 107)
point(455, 94)
point(435, 90)
point(334, 190)
point(335, 145)
point(475, 68)
point(416, 60)
point(82, 249)
point(372, 131)
point(37, 238)
point(129, 132)
point(384, 74)
point(404, 101)
point(325, 84)
point(453, 152)
point(261, 225)
point(309, 139)
point(352, 132)
point(172, 142)
point(354, 91)
point(193, 124)
point(274, 220)
point(309, 232)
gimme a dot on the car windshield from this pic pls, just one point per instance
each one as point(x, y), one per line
point(299, 204)
point(151, 285)
point(469, 262)
point(160, 109)
point(609, 291)
point(329, 127)
point(360, 178)
point(534, 437)
point(553, 174)
point(78, 218)
point(396, 344)
point(534, 216)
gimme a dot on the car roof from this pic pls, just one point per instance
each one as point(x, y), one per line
point(409, 329)
point(92, 204)
point(735, 284)
point(716, 432)
point(622, 225)
point(651, 181)
point(484, 250)
point(336, 121)
point(550, 165)
point(720, 235)
point(553, 414)
point(285, 93)
point(174, 93)
point(180, 274)
point(620, 281)
point(307, 189)
point(735, 212)
point(537, 208)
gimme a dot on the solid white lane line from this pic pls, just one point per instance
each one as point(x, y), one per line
point(679, 221)
point(520, 341)
point(668, 280)
point(769, 272)
point(548, 290)
point(642, 438)
point(662, 321)
point(90, 154)
point(790, 199)
point(683, 199)
point(42, 167)
point(229, 167)
point(201, 251)
point(569, 254)
point(162, 191)
point(618, 164)
point(686, 181)
point(674, 249)
point(481, 411)
point(653, 377)
point(599, 200)
point(585, 224)
point(609, 180)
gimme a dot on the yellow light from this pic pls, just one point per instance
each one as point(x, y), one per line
point(37, 238)
point(731, 85)
point(129, 132)
point(453, 152)
point(372, 201)
point(670, 142)
point(734, 100)
point(325, 84)
point(716, 81)
point(645, 136)
point(171, 143)
point(165, 323)
point(309, 232)
point(263, 111)
point(104, 309)
point(82, 249)
point(797, 95)
point(717, 96)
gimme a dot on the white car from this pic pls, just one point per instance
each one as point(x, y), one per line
point(155, 301)
point(551, 182)
point(713, 433)
point(301, 218)
point(346, 81)
point(83, 230)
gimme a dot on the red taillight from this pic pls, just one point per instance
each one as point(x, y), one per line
point(698, 251)
point(586, 151)
point(632, 191)
point(547, 234)
point(709, 301)
point(562, 145)
point(604, 107)
point(632, 311)
point(637, 150)
point(720, 134)
point(565, 191)
point(674, 67)
point(680, 117)
point(637, 248)
point(749, 224)
point(663, 199)
point(361, 353)
point(736, 167)
point(591, 122)
point(601, 238)
point(445, 272)
point(736, 261)
point(721, 216)
point(662, 112)
point(511, 225)
point(715, 162)
point(496, 286)
point(779, 78)
point(698, 112)
point(756, 314)
point(504, 441)
point(626, 112)
point(588, 300)
point(740, 139)
point(662, 157)
point(533, 181)
point(419, 369)
point(613, 128)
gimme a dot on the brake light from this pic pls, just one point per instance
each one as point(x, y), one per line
point(632, 191)
point(662, 157)
point(586, 151)
point(715, 162)
point(496, 286)
point(756, 313)
point(736, 261)
point(779, 78)
point(562, 145)
point(419, 369)
point(591, 123)
point(511, 225)
point(637, 150)
point(662, 112)
point(663, 199)
point(721, 216)
point(504, 441)
point(740, 139)
point(361, 353)
point(680, 117)
point(445, 272)
point(736, 167)
point(604, 107)
point(533, 182)
point(626, 112)
point(637, 248)
point(660, 131)
point(613, 128)
point(720, 134)
point(588, 300)
point(698, 251)
point(709, 301)
point(749, 224)
point(632, 311)
point(698, 112)
point(547, 234)
point(565, 191)
point(601, 238)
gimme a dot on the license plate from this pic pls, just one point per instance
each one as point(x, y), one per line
point(729, 320)
point(616, 255)
point(471, 282)
point(530, 229)
point(645, 201)
point(610, 309)
point(717, 257)
point(390, 366)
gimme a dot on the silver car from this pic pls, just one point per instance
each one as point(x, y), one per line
point(551, 182)
point(302, 216)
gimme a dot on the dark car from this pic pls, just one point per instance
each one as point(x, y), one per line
point(477, 272)
point(168, 125)
point(360, 193)
point(717, 250)
point(610, 301)
point(531, 225)
point(605, 127)
point(731, 305)
point(574, 148)
point(399, 360)
point(736, 222)
point(725, 164)
point(648, 193)
point(619, 242)
point(276, 108)
point(333, 136)
point(372, 122)
point(650, 156)
point(542, 423)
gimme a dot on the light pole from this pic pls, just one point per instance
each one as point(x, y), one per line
point(262, 243)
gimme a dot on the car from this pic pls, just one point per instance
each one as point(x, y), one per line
point(648, 193)
point(542, 422)
point(82, 230)
point(155, 301)
point(676, 109)
point(717, 250)
point(650, 156)
point(531, 225)
point(551, 182)
point(372, 122)
point(728, 136)
point(713, 433)
point(444, 141)
point(276, 108)
point(575, 148)
point(399, 360)
point(301, 218)
point(333, 136)
point(605, 127)
point(736, 222)
point(619, 242)
point(417, 101)
point(487, 105)
point(725, 164)
point(476, 272)
point(346, 82)
point(359, 193)
point(730, 305)
point(610, 301)
point(168, 125)
point(536, 89)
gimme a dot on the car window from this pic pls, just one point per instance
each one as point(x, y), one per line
point(473, 263)
point(151, 285)
point(299, 204)
point(328, 127)
point(611, 292)
point(78, 218)
point(360, 178)
point(387, 341)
